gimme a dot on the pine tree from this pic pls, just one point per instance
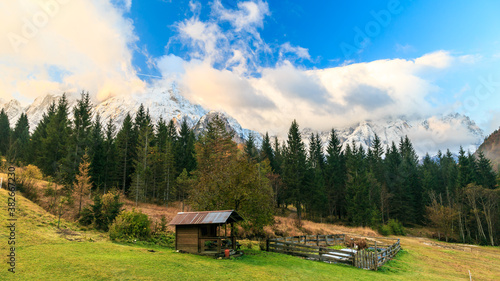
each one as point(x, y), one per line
point(125, 146)
point(485, 176)
point(316, 193)
point(111, 157)
point(267, 152)
point(141, 179)
point(36, 152)
point(250, 149)
point(394, 182)
point(4, 133)
point(185, 149)
point(465, 169)
point(55, 143)
point(430, 180)
point(20, 140)
point(82, 184)
point(97, 154)
point(80, 137)
point(169, 172)
point(412, 188)
point(278, 156)
point(295, 169)
point(335, 176)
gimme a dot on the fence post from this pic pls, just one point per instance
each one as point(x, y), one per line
point(267, 245)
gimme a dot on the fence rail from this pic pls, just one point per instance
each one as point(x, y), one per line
point(317, 247)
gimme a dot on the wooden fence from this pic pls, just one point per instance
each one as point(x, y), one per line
point(317, 247)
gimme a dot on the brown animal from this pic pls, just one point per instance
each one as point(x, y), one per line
point(358, 243)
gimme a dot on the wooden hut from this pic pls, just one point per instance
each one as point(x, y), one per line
point(205, 232)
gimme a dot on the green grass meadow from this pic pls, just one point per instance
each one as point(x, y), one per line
point(44, 252)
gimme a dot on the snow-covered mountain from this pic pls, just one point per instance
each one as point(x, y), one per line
point(427, 134)
point(165, 103)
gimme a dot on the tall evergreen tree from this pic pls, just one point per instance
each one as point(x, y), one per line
point(295, 168)
point(4, 133)
point(20, 140)
point(185, 149)
point(267, 152)
point(79, 138)
point(485, 176)
point(141, 179)
point(111, 157)
point(394, 182)
point(55, 143)
point(250, 148)
point(36, 152)
point(316, 194)
point(125, 145)
point(412, 188)
point(335, 176)
point(465, 169)
point(97, 154)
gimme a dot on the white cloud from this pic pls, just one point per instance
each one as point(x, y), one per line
point(56, 46)
point(439, 59)
point(249, 15)
point(301, 53)
point(440, 134)
point(236, 48)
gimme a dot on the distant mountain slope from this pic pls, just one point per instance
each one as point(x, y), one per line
point(491, 149)
point(427, 134)
point(165, 103)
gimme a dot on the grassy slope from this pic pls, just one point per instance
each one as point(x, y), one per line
point(45, 253)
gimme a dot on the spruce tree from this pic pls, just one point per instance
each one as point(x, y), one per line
point(141, 179)
point(295, 168)
point(485, 176)
point(4, 133)
point(394, 182)
point(20, 140)
point(36, 152)
point(250, 149)
point(268, 153)
point(111, 157)
point(125, 146)
point(55, 143)
point(316, 194)
point(80, 136)
point(185, 149)
point(335, 176)
point(169, 172)
point(97, 154)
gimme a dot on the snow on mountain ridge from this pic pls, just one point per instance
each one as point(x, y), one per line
point(422, 132)
point(427, 134)
point(160, 102)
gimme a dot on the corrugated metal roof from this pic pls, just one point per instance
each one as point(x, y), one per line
point(207, 217)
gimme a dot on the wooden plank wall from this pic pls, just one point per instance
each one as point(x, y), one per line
point(187, 238)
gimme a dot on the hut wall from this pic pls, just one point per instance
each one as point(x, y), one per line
point(187, 238)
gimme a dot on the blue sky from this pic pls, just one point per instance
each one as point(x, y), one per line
point(418, 28)
point(324, 63)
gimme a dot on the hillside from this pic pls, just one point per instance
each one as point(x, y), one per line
point(45, 252)
point(491, 149)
